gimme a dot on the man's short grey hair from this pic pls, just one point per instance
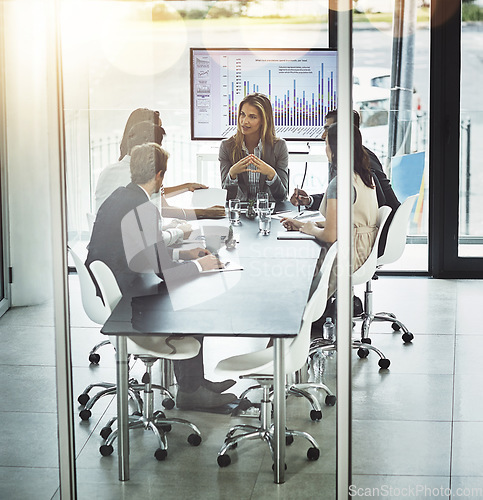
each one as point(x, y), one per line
point(146, 161)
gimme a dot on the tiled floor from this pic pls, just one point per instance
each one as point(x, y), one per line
point(417, 427)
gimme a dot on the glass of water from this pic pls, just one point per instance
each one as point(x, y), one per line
point(234, 211)
point(262, 202)
point(264, 221)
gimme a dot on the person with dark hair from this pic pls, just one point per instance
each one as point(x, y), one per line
point(137, 116)
point(140, 133)
point(365, 207)
point(118, 174)
point(113, 239)
point(385, 193)
point(254, 159)
point(148, 166)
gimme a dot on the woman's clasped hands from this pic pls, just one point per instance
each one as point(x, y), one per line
point(252, 163)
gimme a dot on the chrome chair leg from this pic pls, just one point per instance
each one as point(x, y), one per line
point(396, 325)
point(363, 349)
point(368, 316)
point(149, 419)
point(94, 358)
point(264, 432)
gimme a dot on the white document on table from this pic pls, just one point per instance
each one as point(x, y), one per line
point(294, 214)
point(294, 235)
point(229, 266)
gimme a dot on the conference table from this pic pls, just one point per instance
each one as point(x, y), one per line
point(266, 298)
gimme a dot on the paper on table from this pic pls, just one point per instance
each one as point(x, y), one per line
point(294, 235)
point(229, 266)
point(297, 215)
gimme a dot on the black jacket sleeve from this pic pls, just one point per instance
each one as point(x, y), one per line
point(317, 200)
point(384, 183)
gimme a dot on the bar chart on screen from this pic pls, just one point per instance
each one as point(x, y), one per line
point(301, 85)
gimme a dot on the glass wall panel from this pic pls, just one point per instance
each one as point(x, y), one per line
point(119, 56)
point(2, 261)
point(377, 56)
point(471, 148)
point(29, 458)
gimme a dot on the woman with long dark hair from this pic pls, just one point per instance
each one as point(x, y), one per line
point(254, 159)
point(365, 206)
point(137, 116)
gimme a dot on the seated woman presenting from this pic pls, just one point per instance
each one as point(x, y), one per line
point(365, 206)
point(254, 160)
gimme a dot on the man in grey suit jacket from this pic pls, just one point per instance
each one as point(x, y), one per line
point(122, 219)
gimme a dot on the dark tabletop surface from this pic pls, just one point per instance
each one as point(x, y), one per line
point(265, 299)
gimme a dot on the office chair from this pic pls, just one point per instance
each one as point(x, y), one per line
point(259, 366)
point(148, 349)
point(98, 312)
point(394, 248)
point(361, 275)
point(93, 305)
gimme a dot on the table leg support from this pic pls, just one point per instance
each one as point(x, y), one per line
point(279, 410)
point(122, 407)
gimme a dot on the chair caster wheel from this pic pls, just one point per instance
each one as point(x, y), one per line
point(330, 399)
point(105, 432)
point(395, 327)
point(384, 363)
point(85, 414)
point(160, 454)
point(83, 399)
point(313, 454)
point(194, 439)
point(165, 428)
point(288, 440)
point(273, 466)
point(94, 358)
point(106, 450)
point(168, 403)
point(407, 337)
point(159, 414)
point(315, 415)
point(366, 340)
point(362, 352)
point(223, 460)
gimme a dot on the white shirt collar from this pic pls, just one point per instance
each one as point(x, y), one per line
point(147, 194)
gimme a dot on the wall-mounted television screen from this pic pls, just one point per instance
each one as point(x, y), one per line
point(300, 83)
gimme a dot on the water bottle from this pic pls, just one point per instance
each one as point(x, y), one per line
point(328, 333)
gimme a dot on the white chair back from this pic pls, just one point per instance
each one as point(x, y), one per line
point(93, 304)
point(317, 303)
point(107, 284)
point(298, 350)
point(397, 232)
point(204, 198)
point(148, 345)
point(367, 270)
point(90, 221)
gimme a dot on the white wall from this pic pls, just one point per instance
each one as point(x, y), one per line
point(27, 151)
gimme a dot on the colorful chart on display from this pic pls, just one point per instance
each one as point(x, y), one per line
point(300, 83)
